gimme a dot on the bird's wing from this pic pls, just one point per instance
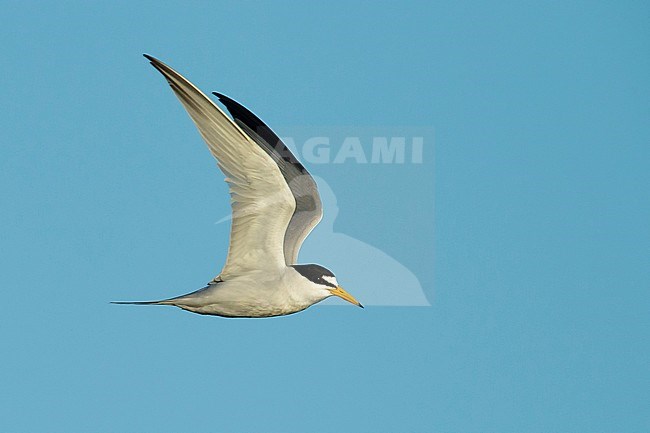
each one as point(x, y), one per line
point(262, 203)
point(309, 209)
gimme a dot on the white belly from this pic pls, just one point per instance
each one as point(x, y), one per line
point(251, 295)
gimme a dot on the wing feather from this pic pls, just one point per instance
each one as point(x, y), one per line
point(309, 209)
point(262, 203)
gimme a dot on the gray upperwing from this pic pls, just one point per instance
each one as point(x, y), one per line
point(309, 209)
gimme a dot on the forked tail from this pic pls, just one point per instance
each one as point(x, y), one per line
point(175, 301)
point(139, 302)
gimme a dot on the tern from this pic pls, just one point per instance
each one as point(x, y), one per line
point(275, 205)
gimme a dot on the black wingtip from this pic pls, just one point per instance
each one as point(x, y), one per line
point(154, 61)
point(160, 66)
point(221, 96)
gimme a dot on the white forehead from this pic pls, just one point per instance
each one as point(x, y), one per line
point(331, 280)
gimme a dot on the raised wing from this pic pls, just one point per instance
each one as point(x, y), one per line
point(262, 203)
point(309, 209)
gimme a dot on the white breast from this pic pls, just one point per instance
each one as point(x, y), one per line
point(255, 294)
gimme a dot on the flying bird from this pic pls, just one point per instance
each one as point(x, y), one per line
point(275, 205)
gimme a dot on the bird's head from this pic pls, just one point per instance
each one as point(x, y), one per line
point(324, 281)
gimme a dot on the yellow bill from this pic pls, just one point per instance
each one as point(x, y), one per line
point(345, 295)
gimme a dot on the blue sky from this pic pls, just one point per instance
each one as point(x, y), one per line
point(527, 225)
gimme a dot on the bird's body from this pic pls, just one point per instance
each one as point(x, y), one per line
point(275, 204)
point(254, 294)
